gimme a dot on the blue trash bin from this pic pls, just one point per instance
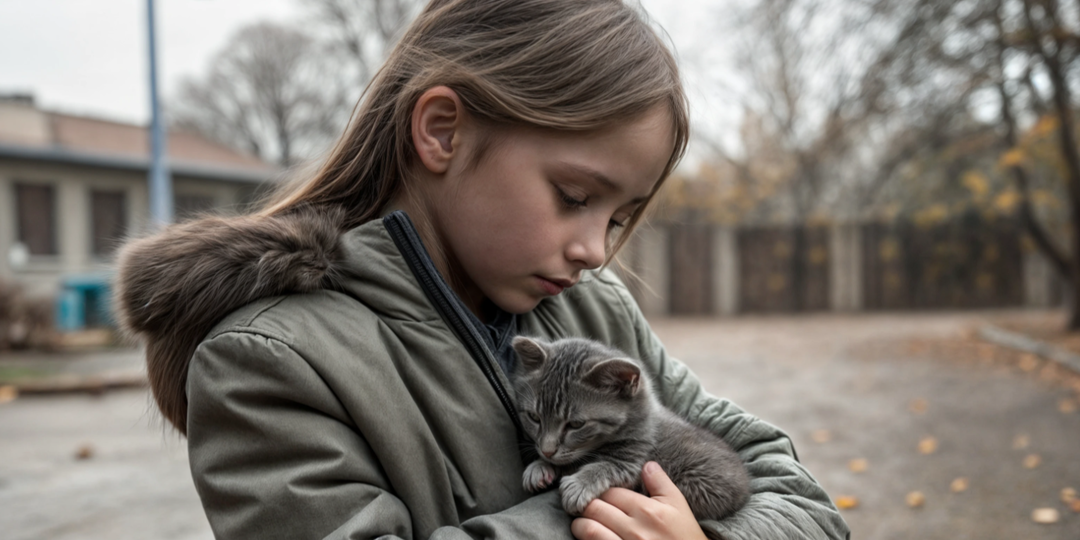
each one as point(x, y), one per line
point(84, 302)
point(70, 311)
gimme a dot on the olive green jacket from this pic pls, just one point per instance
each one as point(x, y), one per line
point(366, 411)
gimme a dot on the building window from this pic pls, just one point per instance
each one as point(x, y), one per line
point(108, 221)
point(35, 210)
point(192, 206)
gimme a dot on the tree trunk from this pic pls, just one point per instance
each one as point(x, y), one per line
point(1070, 154)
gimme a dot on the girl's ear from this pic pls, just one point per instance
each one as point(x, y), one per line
point(616, 375)
point(531, 352)
point(436, 120)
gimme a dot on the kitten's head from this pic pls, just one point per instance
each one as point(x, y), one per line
point(575, 395)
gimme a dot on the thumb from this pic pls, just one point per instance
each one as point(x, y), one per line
point(658, 484)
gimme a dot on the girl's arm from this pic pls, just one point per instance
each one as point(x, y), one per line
point(274, 454)
point(786, 502)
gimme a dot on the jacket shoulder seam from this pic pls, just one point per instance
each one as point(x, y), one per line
point(242, 329)
point(247, 321)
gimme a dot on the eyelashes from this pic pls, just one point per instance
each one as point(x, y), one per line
point(571, 203)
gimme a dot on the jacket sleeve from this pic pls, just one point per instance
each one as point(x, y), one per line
point(785, 502)
point(274, 455)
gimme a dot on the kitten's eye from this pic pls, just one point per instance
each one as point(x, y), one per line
point(533, 416)
point(577, 424)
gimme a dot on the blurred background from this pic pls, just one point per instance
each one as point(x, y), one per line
point(873, 242)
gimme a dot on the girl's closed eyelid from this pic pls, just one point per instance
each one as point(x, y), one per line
point(569, 201)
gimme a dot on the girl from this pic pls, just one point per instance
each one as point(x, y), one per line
point(338, 360)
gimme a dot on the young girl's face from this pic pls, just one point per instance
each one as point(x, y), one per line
point(541, 206)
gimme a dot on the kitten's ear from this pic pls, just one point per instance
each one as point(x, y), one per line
point(532, 353)
point(617, 375)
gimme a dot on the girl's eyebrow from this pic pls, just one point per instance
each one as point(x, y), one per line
point(598, 177)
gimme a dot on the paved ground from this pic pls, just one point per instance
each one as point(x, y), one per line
point(858, 378)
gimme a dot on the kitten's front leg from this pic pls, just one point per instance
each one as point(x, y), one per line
point(580, 488)
point(538, 476)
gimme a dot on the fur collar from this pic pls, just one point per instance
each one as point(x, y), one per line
point(173, 287)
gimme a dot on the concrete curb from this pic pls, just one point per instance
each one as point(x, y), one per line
point(1027, 344)
point(90, 384)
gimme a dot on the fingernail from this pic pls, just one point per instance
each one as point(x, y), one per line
point(652, 467)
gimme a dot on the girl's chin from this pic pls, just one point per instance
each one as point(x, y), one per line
point(518, 304)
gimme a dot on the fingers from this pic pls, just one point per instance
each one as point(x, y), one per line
point(588, 529)
point(618, 509)
point(657, 482)
point(623, 499)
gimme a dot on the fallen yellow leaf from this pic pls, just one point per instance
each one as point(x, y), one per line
point(928, 445)
point(84, 452)
point(1067, 406)
point(1068, 495)
point(1031, 461)
point(821, 436)
point(1075, 506)
point(846, 503)
point(1021, 442)
point(915, 499)
point(8, 394)
point(1045, 515)
point(858, 465)
point(918, 406)
point(958, 485)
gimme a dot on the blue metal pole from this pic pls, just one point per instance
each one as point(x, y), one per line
point(161, 194)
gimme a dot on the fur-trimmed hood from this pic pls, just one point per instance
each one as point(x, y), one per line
point(173, 287)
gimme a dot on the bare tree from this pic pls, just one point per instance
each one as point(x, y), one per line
point(1043, 38)
point(284, 95)
point(362, 31)
point(822, 126)
point(269, 92)
point(930, 87)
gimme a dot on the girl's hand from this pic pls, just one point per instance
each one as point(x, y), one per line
point(621, 514)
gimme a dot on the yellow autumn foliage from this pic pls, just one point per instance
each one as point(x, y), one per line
point(1046, 125)
point(977, 183)
point(1006, 201)
point(933, 215)
point(1013, 157)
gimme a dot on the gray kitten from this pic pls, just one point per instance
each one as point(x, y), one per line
point(595, 421)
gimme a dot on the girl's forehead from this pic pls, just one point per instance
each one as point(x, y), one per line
point(629, 155)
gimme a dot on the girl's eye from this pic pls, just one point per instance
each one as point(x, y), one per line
point(577, 424)
point(612, 225)
point(571, 202)
point(533, 416)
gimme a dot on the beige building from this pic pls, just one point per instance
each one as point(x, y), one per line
point(71, 188)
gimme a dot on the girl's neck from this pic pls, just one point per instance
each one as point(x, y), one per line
point(448, 267)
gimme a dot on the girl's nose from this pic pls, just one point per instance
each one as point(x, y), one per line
point(589, 248)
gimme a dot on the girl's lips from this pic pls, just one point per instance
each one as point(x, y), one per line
point(550, 287)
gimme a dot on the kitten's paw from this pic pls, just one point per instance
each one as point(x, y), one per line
point(539, 475)
point(578, 493)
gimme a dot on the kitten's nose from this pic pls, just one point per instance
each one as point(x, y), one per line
point(547, 454)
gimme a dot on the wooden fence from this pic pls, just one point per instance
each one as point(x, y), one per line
point(967, 263)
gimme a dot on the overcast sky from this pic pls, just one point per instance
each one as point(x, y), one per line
point(89, 56)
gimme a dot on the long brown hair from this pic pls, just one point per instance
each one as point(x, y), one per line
point(557, 64)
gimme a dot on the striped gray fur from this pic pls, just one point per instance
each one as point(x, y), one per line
point(591, 412)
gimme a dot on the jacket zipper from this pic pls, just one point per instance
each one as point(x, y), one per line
point(402, 233)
